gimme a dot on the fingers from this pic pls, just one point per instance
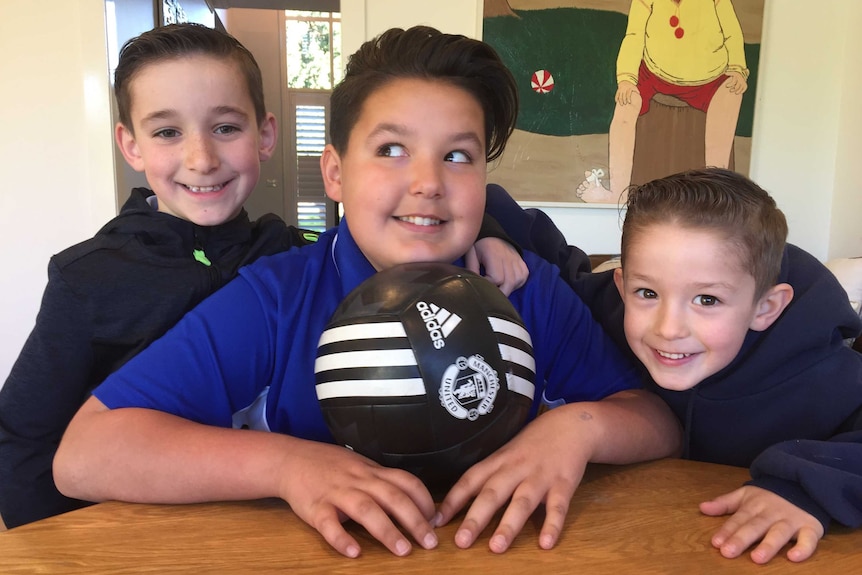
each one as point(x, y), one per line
point(556, 509)
point(471, 260)
point(513, 278)
point(723, 504)
point(378, 499)
point(378, 517)
point(455, 500)
point(777, 536)
point(766, 520)
point(741, 531)
point(407, 501)
point(334, 533)
point(806, 544)
point(480, 514)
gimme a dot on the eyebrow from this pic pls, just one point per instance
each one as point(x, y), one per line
point(169, 113)
point(697, 286)
point(401, 130)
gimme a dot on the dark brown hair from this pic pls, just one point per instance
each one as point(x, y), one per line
point(720, 201)
point(177, 41)
point(425, 53)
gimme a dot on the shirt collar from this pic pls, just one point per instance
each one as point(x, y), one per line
point(352, 265)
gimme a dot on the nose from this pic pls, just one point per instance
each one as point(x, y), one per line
point(426, 178)
point(670, 322)
point(200, 154)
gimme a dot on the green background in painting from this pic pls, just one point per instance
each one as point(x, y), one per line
point(579, 48)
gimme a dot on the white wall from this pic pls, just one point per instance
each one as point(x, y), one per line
point(56, 153)
point(56, 158)
point(364, 19)
point(807, 126)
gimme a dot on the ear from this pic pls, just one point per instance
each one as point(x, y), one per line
point(268, 137)
point(770, 306)
point(330, 167)
point(618, 280)
point(128, 147)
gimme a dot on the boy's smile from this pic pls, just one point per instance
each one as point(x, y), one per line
point(196, 137)
point(412, 179)
point(688, 303)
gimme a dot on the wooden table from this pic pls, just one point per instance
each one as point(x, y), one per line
point(637, 519)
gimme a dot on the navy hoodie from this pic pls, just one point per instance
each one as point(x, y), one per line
point(783, 404)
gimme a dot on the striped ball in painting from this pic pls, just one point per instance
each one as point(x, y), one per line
point(426, 367)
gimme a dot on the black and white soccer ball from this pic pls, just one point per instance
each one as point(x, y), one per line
point(426, 367)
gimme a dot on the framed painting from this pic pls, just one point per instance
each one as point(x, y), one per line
point(619, 92)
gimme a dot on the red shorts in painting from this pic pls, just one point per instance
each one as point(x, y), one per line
point(697, 97)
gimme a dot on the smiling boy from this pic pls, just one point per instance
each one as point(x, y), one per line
point(744, 337)
point(224, 406)
point(198, 129)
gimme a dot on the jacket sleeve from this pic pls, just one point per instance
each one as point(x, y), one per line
point(822, 477)
point(48, 383)
point(534, 231)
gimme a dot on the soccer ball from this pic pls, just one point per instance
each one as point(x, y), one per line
point(426, 367)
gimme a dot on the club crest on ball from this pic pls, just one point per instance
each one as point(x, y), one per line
point(469, 387)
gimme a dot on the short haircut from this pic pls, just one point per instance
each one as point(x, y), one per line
point(178, 41)
point(720, 201)
point(424, 53)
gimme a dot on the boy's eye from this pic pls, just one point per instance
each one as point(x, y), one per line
point(706, 300)
point(167, 133)
point(646, 293)
point(224, 130)
point(392, 150)
point(458, 157)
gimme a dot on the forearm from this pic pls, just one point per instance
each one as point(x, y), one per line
point(143, 455)
point(626, 427)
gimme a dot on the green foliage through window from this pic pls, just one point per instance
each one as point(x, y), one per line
point(313, 41)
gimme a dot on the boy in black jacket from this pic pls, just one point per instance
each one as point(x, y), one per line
point(192, 118)
point(743, 336)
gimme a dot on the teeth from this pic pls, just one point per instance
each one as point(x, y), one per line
point(204, 189)
point(420, 221)
point(673, 355)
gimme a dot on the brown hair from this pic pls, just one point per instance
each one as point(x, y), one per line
point(717, 200)
point(178, 41)
point(425, 53)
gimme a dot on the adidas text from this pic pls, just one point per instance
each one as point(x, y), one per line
point(438, 321)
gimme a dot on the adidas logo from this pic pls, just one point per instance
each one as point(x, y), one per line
point(439, 322)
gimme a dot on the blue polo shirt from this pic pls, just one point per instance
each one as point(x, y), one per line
point(245, 356)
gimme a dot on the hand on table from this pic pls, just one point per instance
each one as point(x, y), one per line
point(329, 484)
point(760, 515)
point(540, 465)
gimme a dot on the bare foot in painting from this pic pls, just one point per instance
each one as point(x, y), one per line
point(592, 191)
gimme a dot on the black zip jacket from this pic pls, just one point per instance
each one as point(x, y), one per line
point(782, 404)
point(107, 298)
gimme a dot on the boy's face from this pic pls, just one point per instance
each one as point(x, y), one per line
point(196, 137)
point(412, 179)
point(688, 304)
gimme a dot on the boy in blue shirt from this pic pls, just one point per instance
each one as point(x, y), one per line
point(743, 336)
point(413, 124)
point(199, 133)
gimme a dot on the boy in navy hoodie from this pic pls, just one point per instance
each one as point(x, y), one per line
point(743, 336)
point(192, 118)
